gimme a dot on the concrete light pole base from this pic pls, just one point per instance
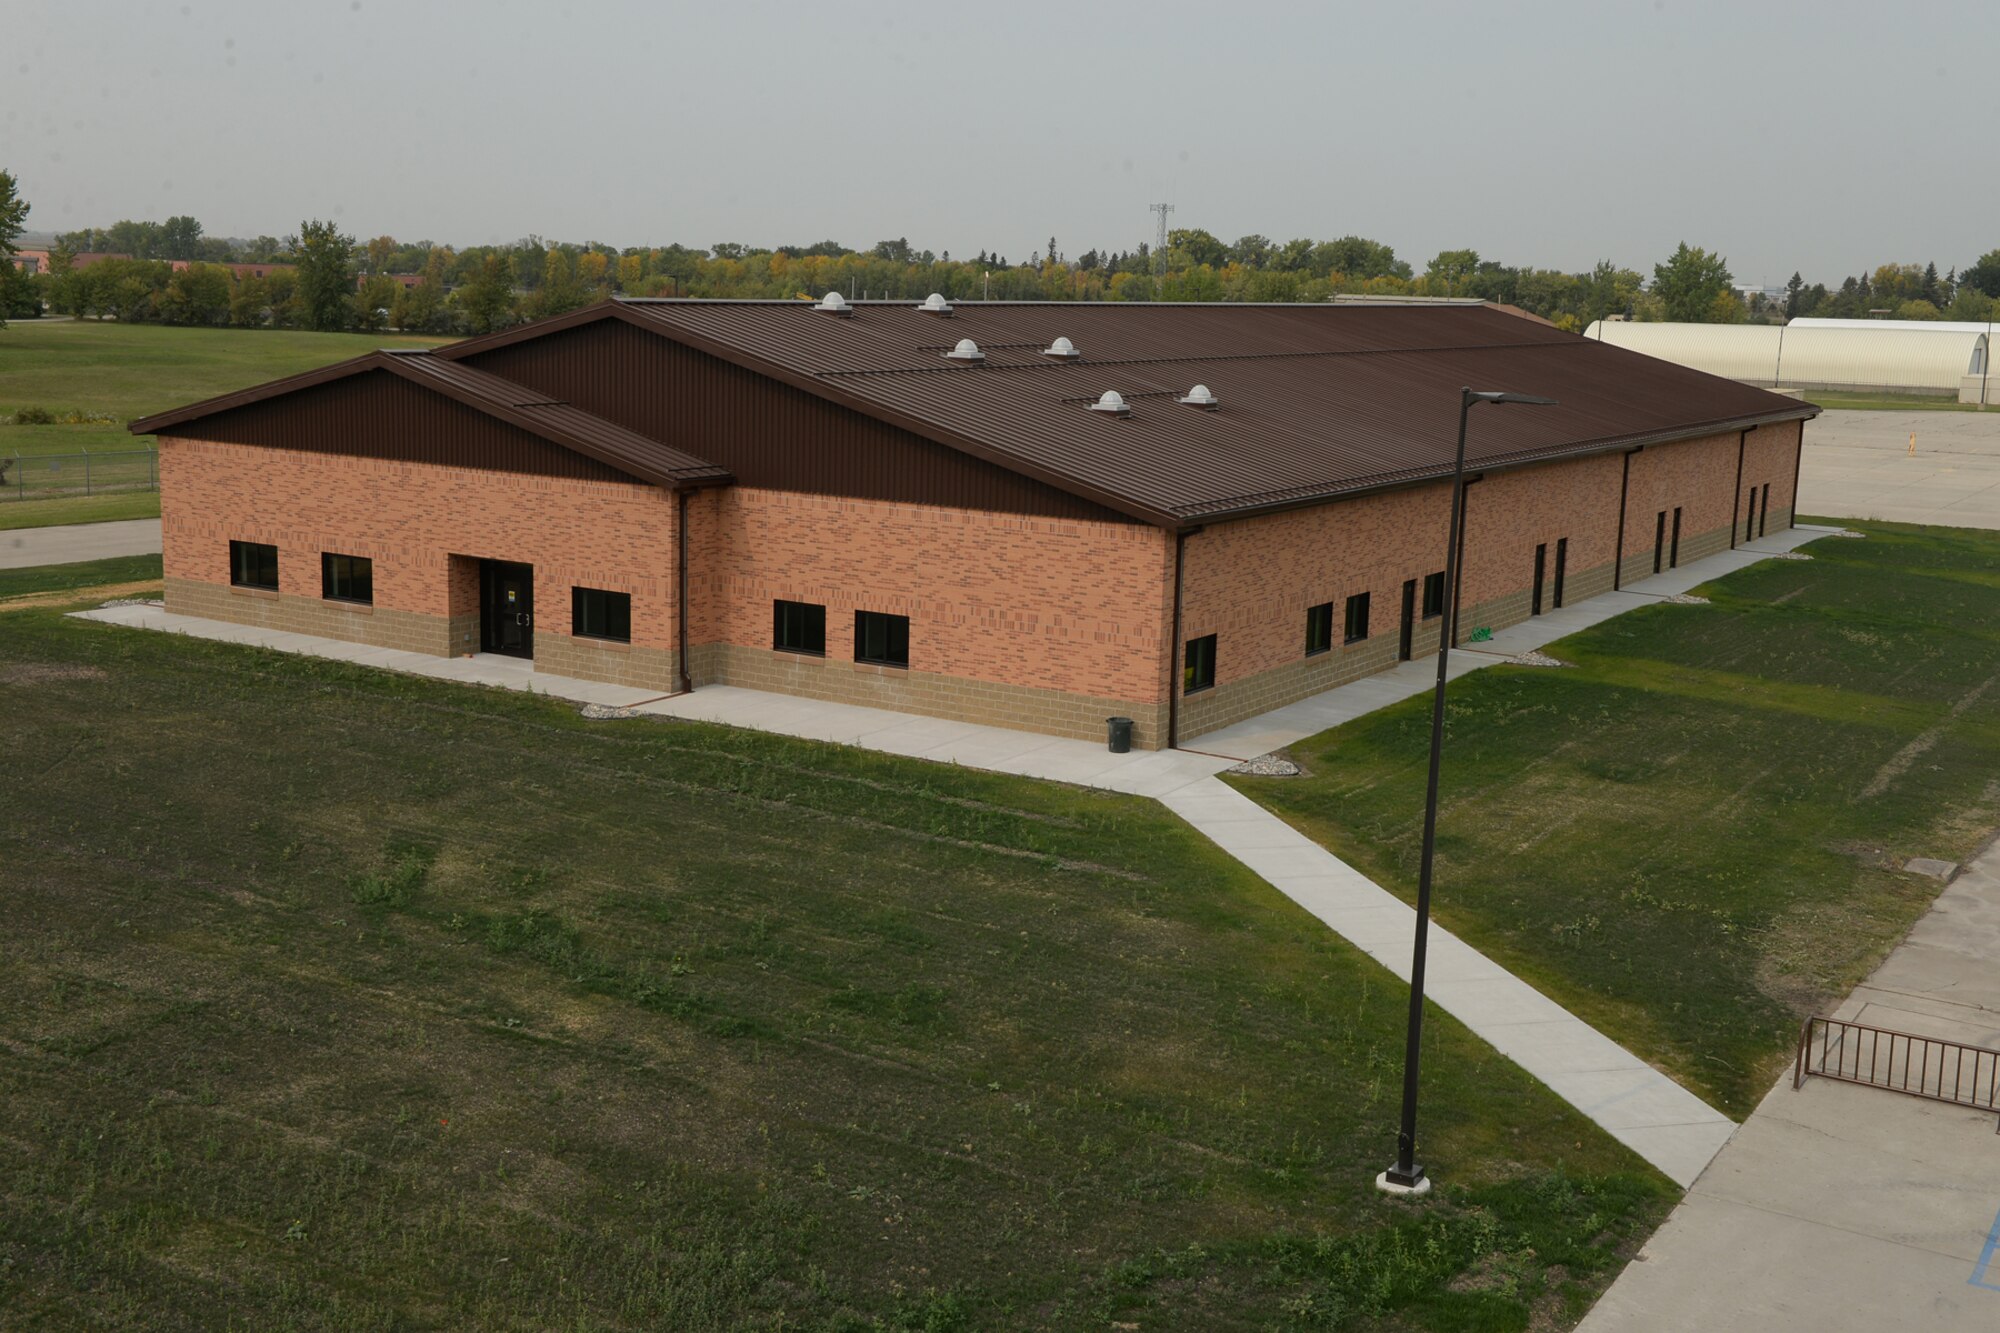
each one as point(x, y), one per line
point(1416, 1191)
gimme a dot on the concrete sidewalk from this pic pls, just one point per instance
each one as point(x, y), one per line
point(1836, 1206)
point(21, 548)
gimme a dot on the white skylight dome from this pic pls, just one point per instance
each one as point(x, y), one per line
point(935, 304)
point(1201, 396)
point(1113, 402)
point(967, 350)
point(833, 303)
point(1062, 349)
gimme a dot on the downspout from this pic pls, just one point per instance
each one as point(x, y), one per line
point(1624, 487)
point(1174, 649)
point(687, 681)
point(1798, 459)
point(1736, 499)
point(1458, 584)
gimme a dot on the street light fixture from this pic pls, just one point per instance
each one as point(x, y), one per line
point(1407, 1176)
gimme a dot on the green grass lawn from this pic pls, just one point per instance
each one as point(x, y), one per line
point(1694, 838)
point(1891, 402)
point(131, 370)
point(79, 509)
point(336, 999)
point(79, 574)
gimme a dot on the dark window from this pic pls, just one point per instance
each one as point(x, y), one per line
point(1674, 551)
point(1433, 594)
point(253, 565)
point(1541, 574)
point(347, 578)
point(1562, 568)
point(881, 639)
point(798, 627)
point(1750, 519)
point(1659, 540)
point(1319, 628)
point(1764, 514)
point(1199, 672)
point(1357, 617)
point(597, 614)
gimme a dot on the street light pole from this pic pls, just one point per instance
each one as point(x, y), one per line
point(1407, 1175)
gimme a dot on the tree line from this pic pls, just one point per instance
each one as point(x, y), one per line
point(334, 282)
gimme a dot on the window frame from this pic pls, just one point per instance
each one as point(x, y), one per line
point(779, 607)
point(891, 622)
point(1319, 629)
point(237, 549)
point(1198, 665)
point(1355, 600)
point(1433, 582)
point(579, 603)
point(328, 579)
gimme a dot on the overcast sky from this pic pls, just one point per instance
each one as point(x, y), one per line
point(1823, 136)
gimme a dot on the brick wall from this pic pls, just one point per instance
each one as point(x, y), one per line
point(1770, 458)
point(1250, 582)
point(426, 528)
point(1050, 624)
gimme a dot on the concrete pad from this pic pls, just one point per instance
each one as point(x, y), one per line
point(1634, 1097)
point(1858, 465)
point(1836, 1206)
point(66, 544)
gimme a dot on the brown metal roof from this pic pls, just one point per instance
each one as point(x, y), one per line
point(502, 399)
point(1317, 401)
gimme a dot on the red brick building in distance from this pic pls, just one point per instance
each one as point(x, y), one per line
point(1032, 515)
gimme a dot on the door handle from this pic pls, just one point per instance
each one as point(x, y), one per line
point(524, 620)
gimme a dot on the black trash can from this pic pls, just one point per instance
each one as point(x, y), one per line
point(1121, 734)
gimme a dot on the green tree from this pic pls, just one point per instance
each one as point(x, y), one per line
point(13, 219)
point(1193, 247)
point(1983, 276)
point(1447, 274)
point(488, 300)
point(1794, 295)
point(374, 302)
point(1691, 285)
point(180, 238)
point(324, 291)
point(198, 294)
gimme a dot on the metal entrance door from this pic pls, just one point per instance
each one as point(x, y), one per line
point(507, 608)
point(1406, 645)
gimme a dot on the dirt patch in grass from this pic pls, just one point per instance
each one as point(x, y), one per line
point(43, 673)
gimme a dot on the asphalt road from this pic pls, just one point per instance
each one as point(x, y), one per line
point(22, 547)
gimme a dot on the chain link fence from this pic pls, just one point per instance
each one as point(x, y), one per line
point(53, 476)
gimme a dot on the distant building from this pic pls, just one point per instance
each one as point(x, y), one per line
point(37, 261)
point(1932, 358)
point(404, 280)
point(236, 271)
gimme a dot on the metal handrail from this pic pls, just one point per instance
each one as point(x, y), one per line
point(1952, 1072)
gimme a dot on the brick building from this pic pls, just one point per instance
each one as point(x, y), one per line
point(1024, 514)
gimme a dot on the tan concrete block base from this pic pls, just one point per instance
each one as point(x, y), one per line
point(1051, 712)
point(614, 663)
point(377, 626)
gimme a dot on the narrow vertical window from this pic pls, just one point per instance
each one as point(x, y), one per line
point(1674, 552)
point(1750, 519)
point(1764, 514)
point(1562, 569)
point(253, 565)
point(1433, 595)
point(1357, 617)
point(1541, 574)
point(1319, 628)
point(881, 639)
point(1659, 540)
point(1198, 666)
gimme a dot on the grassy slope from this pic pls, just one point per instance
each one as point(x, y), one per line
point(128, 371)
point(79, 574)
point(79, 509)
point(337, 999)
point(1693, 838)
